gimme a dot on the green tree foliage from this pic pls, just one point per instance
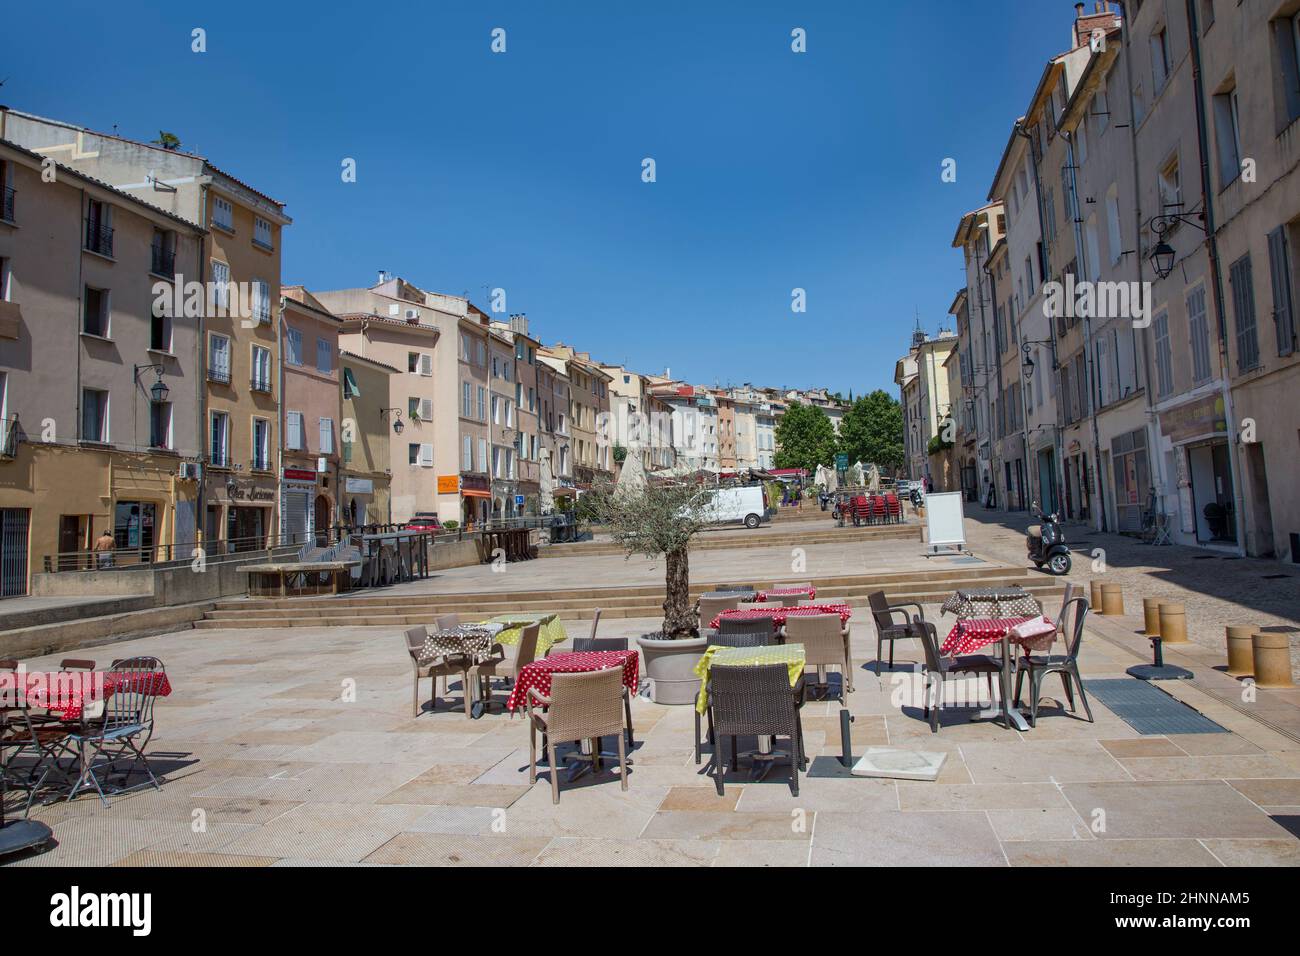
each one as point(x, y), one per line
point(805, 438)
point(871, 431)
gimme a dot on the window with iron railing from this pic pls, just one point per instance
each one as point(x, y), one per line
point(7, 203)
point(162, 261)
point(99, 236)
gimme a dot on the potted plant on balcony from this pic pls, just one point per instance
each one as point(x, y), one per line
point(654, 519)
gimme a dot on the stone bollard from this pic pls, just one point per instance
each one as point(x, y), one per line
point(1272, 655)
point(1095, 588)
point(1241, 661)
point(1173, 624)
point(1112, 600)
point(1151, 616)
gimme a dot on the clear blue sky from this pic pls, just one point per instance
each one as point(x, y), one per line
point(523, 170)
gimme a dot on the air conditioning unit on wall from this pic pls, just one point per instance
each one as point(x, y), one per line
point(189, 471)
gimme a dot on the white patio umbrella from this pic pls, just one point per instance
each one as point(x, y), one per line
point(547, 495)
point(855, 477)
point(873, 478)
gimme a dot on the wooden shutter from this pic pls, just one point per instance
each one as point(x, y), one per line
point(1279, 266)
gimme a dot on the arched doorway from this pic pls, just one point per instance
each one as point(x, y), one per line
point(321, 521)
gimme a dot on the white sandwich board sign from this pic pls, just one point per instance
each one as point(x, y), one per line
point(945, 522)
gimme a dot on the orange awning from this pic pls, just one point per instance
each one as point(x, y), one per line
point(475, 493)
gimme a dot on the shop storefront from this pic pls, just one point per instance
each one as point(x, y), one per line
point(475, 498)
point(363, 500)
point(297, 505)
point(1198, 433)
point(1132, 469)
point(240, 514)
point(1078, 482)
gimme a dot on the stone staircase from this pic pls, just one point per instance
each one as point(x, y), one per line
point(786, 533)
point(397, 609)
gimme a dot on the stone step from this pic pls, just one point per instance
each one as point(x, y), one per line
point(872, 581)
point(750, 539)
point(390, 613)
point(413, 616)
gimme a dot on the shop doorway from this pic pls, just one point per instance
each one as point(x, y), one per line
point(211, 529)
point(246, 528)
point(133, 530)
point(1047, 481)
point(1212, 495)
point(1261, 543)
point(1132, 478)
point(322, 521)
point(73, 543)
point(15, 524)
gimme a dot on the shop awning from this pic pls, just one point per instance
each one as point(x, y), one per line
point(475, 493)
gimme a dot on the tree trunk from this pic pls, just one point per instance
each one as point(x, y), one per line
point(679, 616)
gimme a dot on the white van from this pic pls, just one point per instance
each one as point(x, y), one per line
point(747, 506)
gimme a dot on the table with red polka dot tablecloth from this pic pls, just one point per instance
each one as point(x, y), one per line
point(65, 694)
point(969, 635)
point(538, 673)
point(779, 614)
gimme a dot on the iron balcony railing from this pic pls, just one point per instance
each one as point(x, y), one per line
point(259, 383)
point(219, 375)
point(99, 237)
point(162, 262)
point(10, 435)
point(7, 203)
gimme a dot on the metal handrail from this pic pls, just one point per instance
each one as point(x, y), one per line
point(162, 555)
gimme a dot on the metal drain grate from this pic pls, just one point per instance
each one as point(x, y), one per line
point(1149, 710)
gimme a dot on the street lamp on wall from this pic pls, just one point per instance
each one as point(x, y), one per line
point(398, 424)
point(1162, 257)
point(1027, 364)
point(158, 391)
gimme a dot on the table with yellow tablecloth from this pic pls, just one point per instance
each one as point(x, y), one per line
point(792, 655)
point(550, 631)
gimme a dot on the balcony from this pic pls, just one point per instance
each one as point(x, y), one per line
point(220, 376)
point(161, 261)
point(10, 433)
point(99, 238)
point(7, 203)
point(260, 384)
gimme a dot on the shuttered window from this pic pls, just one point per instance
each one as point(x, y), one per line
point(1279, 267)
point(1243, 311)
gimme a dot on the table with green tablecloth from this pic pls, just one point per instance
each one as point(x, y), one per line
point(550, 631)
point(792, 655)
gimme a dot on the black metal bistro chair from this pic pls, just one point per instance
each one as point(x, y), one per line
point(1067, 664)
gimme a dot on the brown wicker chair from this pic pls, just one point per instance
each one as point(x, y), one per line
point(938, 669)
point(754, 700)
point(586, 706)
point(503, 664)
point(711, 605)
point(822, 637)
point(440, 667)
point(888, 628)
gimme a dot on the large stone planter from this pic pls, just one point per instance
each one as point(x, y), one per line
point(670, 665)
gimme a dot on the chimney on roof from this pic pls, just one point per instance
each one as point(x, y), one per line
point(519, 323)
point(1102, 20)
point(383, 276)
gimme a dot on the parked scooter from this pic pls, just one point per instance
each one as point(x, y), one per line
point(1046, 543)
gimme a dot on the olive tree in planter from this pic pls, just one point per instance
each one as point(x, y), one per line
point(654, 519)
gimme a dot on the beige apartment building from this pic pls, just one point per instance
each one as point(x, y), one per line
point(369, 430)
point(1248, 101)
point(589, 407)
point(922, 380)
point(309, 463)
point(240, 279)
point(558, 439)
point(503, 423)
point(440, 461)
point(528, 428)
point(978, 232)
point(100, 380)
